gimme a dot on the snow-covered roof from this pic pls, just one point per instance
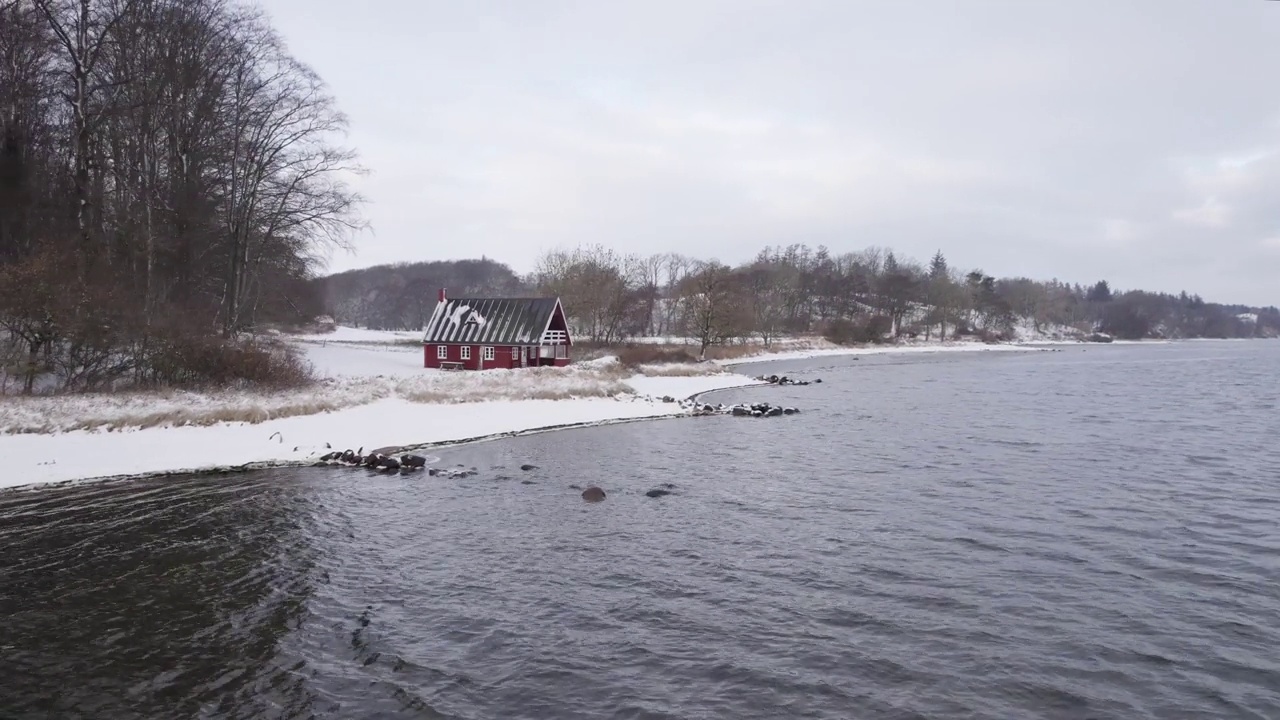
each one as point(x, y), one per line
point(490, 321)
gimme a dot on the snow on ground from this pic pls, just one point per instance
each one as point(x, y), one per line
point(1025, 330)
point(86, 454)
point(375, 394)
point(360, 335)
point(364, 360)
point(79, 455)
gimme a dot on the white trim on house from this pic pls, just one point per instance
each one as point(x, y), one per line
point(442, 352)
point(547, 328)
point(489, 353)
point(466, 352)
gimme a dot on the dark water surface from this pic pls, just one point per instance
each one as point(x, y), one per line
point(1079, 534)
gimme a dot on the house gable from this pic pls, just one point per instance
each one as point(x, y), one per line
point(491, 321)
point(558, 321)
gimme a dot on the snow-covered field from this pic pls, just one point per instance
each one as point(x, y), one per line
point(375, 394)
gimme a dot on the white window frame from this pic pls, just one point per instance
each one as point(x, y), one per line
point(489, 354)
point(442, 352)
point(466, 352)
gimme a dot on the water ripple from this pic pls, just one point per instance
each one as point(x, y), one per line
point(1031, 536)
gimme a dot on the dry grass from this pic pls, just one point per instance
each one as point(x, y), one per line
point(605, 376)
point(641, 353)
point(583, 381)
point(679, 369)
point(635, 356)
point(649, 356)
point(119, 411)
point(737, 352)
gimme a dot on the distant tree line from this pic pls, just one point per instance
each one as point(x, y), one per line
point(402, 296)
point(169, 176)
point(868, 296)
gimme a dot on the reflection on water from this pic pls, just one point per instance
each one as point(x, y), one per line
point(1050, 535)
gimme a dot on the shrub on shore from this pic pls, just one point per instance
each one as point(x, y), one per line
point(95, 338)
point(636, 356)
point(864, 330)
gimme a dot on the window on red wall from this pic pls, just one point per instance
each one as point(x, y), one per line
point(466, 352)
point(442, 352)
point(488, 353)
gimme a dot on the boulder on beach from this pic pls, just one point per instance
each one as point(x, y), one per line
point(593, 494)
point(782, 380)
point(761, 410)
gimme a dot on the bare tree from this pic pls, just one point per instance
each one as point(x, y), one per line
point(765, 285)
point(284, 179)
point(26, 79)
point(185, 166)
point(709, 305)
point(83, 27)
point(675, 269)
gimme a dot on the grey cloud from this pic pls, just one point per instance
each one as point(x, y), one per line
point(1128, 140)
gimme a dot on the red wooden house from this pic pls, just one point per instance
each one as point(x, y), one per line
point(486, 333)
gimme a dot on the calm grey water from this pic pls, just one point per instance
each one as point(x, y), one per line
point(1078, 534)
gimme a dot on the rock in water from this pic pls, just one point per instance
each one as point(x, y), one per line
point(526, 467)
point(656, 492)
point(593, 494)
point(413, 461)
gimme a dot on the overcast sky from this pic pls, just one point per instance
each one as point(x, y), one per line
point(1132, 140)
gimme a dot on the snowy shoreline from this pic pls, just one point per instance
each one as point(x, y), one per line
point(399, 418)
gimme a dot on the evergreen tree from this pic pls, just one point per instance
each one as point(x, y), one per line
point(938, 266)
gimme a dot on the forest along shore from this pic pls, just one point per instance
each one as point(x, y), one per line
point(375, 394)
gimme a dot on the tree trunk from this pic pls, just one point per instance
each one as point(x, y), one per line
point(33, 361)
